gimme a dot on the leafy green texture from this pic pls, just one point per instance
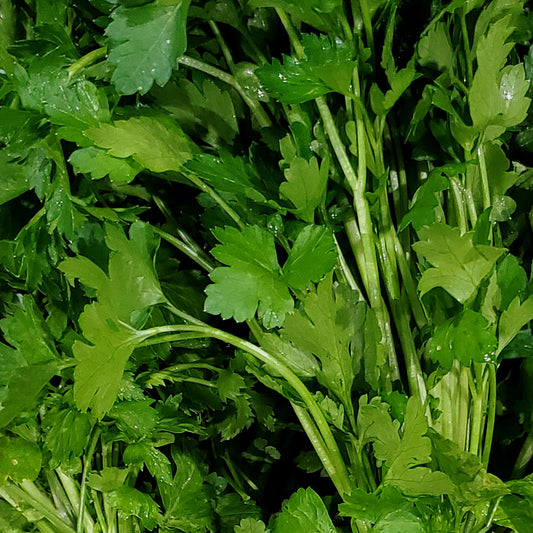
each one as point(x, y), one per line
point(30, 364)
point(326, 327)
point(472, 482)
point(250, 525)
point(389, 510)
point(156, 143)
point(435, 49)
point(304, 511)
point(254, 281)
point(98, 163)
point(312, 12)
point(513, 319)
point(466, 338)
point(145, 42)
point(305, 186)
point(497, 97)
point(326, 68)
point(402, 454)
point(130, 286)
point(459, 265)
point(133, 502)
point(186, 500)
point(20, 459)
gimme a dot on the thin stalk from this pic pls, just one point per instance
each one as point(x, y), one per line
point(190, 252)
point(316, 439)
point(524, 457)
point(340, 475)
point(82, 516)
point(491, 415)
point(196, 180)
point(86, 61)
point(259, 113)
point(32, 496)
point(459, 204)
point(367, 23)
point(466, 46)
point(293, 37)
point(485, 188)
point(223, 46)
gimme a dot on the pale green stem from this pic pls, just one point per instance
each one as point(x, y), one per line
point(189, 251)
point(223, 46)
point(485, 188)
point(293, 38)
point(459, 203)
point(83, 516)
point(85, 61)
point(491, 415)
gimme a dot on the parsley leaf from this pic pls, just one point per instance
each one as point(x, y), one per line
point(303, 511)
point(145, 42)
point(459, 265)
point(254, 281)
point(328, 67)
point(156, 143)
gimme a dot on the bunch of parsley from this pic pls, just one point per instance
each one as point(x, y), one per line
point(249, 244)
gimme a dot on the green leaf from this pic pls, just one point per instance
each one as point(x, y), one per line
point(304, 511)
point(466, 338)
point(231, 508)
point(312, 255)
point(403, 455)
point(250, 525)
point(130, 286)
point(186, 500)
point(513, 319)
point(66, 434)
point(422, 211)
point(459, 266)
point(327, 67)
point(206, 111)
point(145, 43)
point(387, 508)
point(107, 479)
point(133, 502)
point(497, 97)
point(254, 281)
point(228, 174)
point(435, 49)
point(472, 482)
point(512, 280)
point(135, 418)
point(156, 143)
point(99, 164)
point(325, 327)
point(305, 187)
point(145, 453)
point(20, 459)
point(311, 12)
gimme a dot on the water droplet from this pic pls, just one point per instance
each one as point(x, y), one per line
point(139, 88)
point(508, 95)
point(168, 41)
point(14, 462)
point(438, 348)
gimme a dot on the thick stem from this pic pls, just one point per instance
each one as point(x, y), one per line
point(491, 415)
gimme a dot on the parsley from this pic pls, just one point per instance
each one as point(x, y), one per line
point(236, 234)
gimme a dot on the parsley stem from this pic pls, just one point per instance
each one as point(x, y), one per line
point(223, 46)
point(367, 23)
point(185, 248)
point(491, 415)
point(262, 118)
point(293, 37)
point(466, 46)
point(86, 61)
point(82, 515)
point(485, 188)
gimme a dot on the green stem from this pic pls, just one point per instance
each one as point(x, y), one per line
point(485, 188)
point(340, 475)
point(367, 22)
point(223, 46)
point(524, 457)
point(196, 180)
point(30, 495)
point(260, 115)
point(189, 251)
point(293, 37)
point(491, 415)
point(466, 46)
point(83, 487)
point(86, 61)
point(316, 439)
point(459, 204)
